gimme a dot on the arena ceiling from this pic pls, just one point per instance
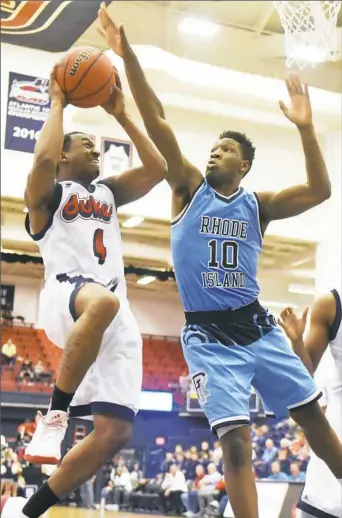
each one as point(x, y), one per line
point(250, 40)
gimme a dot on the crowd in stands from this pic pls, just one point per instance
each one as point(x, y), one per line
point(191, 481)
point(28, 372)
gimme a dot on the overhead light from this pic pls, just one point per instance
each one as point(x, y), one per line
point(146, 280)
point(134, 221)
point(302, 289)
point(198, 27)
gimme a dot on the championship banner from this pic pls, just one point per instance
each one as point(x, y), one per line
point(28, 106)
point(45, 25)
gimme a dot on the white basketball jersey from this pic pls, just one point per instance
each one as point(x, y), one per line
point(322, 490)
point(83, 235)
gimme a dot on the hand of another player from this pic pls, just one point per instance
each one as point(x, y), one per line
point(300, 112)
point(55, 91)
point(116, 103)
point(293, 325)
point(114, 36)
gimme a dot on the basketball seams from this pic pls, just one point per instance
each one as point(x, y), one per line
point(66, 66)
point(93, 93)
point(85, 73)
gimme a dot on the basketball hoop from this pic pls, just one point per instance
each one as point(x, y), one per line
point(310, 31)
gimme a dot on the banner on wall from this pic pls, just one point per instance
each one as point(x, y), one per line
point(28, 106)
point(7, 297)
point(116, 156)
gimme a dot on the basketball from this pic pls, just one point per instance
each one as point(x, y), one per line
point(86, 76)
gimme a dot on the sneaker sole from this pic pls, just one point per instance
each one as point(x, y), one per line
point(4, 499)
point(37, 459)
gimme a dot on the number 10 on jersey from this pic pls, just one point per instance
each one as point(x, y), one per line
point(229, 254)
point(100, 251)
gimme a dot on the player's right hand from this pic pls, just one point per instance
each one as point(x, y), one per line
point(114, 36)
point(293, 325)
point(55, 91)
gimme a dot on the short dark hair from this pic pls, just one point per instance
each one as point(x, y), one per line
point(248, 150)
point(67, 139)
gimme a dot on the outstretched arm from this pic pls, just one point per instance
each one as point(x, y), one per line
point(310, 350)
point(182, 176)
point(136, 182)
point(41, 180)
point(295, 200)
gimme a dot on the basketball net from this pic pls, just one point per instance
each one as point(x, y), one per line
point(310, 31)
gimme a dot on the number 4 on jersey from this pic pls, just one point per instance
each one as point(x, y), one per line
point(100, 251)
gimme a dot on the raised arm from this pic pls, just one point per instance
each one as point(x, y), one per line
point(41, 180)
point(182, 176)
point(137, 181)
point(295, 200)
point(311, 349)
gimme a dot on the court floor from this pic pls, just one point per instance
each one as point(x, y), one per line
point(69, 512)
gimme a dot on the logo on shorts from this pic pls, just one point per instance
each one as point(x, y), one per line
point(200, 380)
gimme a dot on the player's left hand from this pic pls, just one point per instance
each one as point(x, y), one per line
point(293, 325)
point(116, 103)
point(300, 112)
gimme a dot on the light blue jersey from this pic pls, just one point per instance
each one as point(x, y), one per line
point(230, 341)
point(216, 243)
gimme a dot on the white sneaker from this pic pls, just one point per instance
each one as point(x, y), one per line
point(11, 507)
point(45, 447)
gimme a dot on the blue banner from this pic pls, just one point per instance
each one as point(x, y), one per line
point(27, 109)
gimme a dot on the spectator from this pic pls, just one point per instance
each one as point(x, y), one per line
point(284, 458)
point(87, 494)
point(165, 467)
point(9, 352)
point(207, 487)
point(26, 371)
point(136, 475)
point(190, 499)
point(270, 452)
point(173, 486)
point(178, 449)
point(276, 473)
point(40, 372)
point(184, 382)
point(180, 461)
point(147, 495)
point(296, 474)
point(205, 448)
point(217, 453)
point(122, 486)
point(26, 430)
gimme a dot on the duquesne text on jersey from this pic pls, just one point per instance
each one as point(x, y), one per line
point(223, 280)
point(86, 208)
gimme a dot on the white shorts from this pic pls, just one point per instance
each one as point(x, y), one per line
point(322, 494)
point(112, 385)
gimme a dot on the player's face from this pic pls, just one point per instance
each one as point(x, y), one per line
point(84, 158)
point(226, 161)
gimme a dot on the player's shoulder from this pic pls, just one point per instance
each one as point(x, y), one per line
point(325, 307)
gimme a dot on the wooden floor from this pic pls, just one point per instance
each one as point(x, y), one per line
point(69, 512)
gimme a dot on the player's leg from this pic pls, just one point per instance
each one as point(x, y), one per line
point(111, 392)
point(237, 456)
point(221, 376)
point(320, 435)
point(93, 308)
point(285, 385)
point(81, 462)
